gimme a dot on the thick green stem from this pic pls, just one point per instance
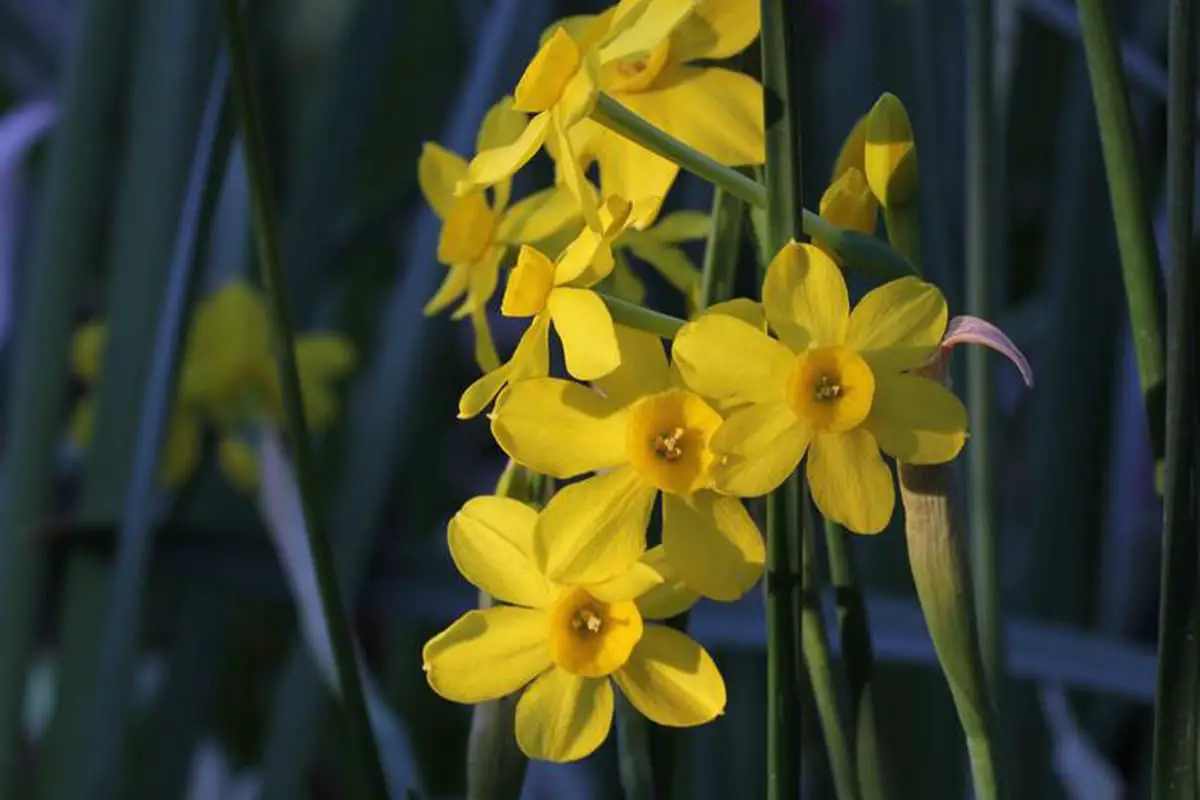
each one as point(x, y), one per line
point(782, 170)
point(1135, 236)
point(870, 757)
point(631, 315)
point(722, 249)
point(362, 739)
point(1175, 737)
point(981, 210)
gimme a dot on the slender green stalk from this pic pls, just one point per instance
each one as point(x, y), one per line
point(722, 249)
point(1176, 706)
point(633, 747)
point(362, 738)
point(854, 248)
point(981, 210)
point(631, 315)
point(819, 662)
point(782, 171)
point(1135, 237)
point(114, 669)
point(870, 757)
point(69, 227)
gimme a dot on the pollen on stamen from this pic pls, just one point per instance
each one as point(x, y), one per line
point(666, 445)
point(585, 619)
point(827, 389)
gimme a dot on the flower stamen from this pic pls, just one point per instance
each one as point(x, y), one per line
point(586, 620)
point(827, 389)
point(666, 445)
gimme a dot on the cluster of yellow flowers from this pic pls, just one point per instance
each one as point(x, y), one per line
point(228, 381)
point(727, 414)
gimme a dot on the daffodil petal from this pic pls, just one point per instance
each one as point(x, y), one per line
point(643, 369)
point(656, 22)
point(538, 216)
point(482, 284)
point(850, 482)
point(852, 154)
point(672, 680)
point(916, 420)
point(748, 311)
point(645, 575)
point(559, 427)
point(631, 171)
point(713, 544)
point(502, 125)
point(717, 29)
point(572, 176)
point(563, 717)
point(492, 166)
point(761, 445)
point(491, 541)
point(586, 329)
point(475, 398)
point(898, 324)
point(805, 297)
point(511, 641)
point(438, 171)
point(238, 462)
point(531, 359)
point(485, 348)
point(681, 226)
point(667, 600)
point(325, 356)
point(595, 529)
point(717, 111)
point(453, 287)
point(722, 357)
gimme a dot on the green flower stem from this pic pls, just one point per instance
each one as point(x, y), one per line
point(854, 248)
point(723, 248)
point(633, 748)
point(819, 661)
point(943, 589)
point(1135, 237)
point(631, 315)
point(980, 204)
point(870, 757)
point(781, 26)
point(362, 738)
point(1174, 772)
point(903, 222)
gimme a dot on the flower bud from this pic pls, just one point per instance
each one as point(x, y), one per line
point(890, 155)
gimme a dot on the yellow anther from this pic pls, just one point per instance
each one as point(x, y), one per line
point(826, 389)
point(666, 445)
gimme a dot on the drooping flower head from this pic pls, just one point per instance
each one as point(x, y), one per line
point(836, 384)
point(645, 433)
point(559, 294)
point(476, 232)
point(563, 644)
point(670, 83)
point(559, 87)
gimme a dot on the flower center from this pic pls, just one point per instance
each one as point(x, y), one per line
point(666, 445)
point(590, 637)
point(667, 440)
point(636, 73)
point(831, 388)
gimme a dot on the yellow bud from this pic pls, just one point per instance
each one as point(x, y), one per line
point(848, 202)
point(890, 155)
point(853, 150)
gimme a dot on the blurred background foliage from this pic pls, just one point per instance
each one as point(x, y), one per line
point(103, 105)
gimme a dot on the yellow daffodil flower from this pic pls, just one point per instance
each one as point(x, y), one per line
point(563, 645)
point(560, 86)
point(476, 234)
point(228, 378)
point(645, 432)
point(558, 293)
point(714, 110)
point(836, 384)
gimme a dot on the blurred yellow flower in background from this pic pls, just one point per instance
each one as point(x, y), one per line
point(228, 381)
